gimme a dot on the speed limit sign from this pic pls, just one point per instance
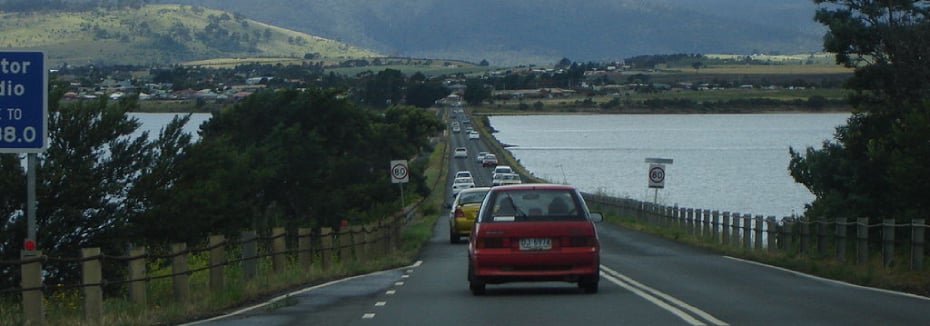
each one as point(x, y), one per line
point(399, 172)
point(656, 175)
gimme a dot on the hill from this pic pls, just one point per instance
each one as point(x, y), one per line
point(544, 31)
point(159, 34)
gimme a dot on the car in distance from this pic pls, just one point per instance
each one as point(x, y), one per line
point(459, 184)
point(464, 209)
point(462, 174)
point(489, 160)
point(481, 156)
point(534, 233)
point(460, 152)
point(503, 179)
point(501, 169)
point(473, 135)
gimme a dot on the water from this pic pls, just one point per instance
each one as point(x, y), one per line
point(736, 163)
point(155, 122)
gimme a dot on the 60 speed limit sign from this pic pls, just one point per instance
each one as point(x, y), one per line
point(399, 172)
point(656, 175)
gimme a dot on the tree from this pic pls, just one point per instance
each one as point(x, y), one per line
point(384, 88)
point(425, 94)
point(872, 167)
point(295, 159)
point(476, 92)
point(89, 186)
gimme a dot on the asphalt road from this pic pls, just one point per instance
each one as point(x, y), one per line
point(646, 280)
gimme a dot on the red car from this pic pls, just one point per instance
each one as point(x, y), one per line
point(535, 233)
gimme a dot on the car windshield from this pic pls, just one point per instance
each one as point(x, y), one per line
point(472, 197)
point(533, 205)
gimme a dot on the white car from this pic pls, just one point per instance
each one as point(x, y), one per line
point(460, 184)
point(463, 174)
point(473, 135)
point(460, 152)
point(501, 169)
point(503, 179)
point(481, 156)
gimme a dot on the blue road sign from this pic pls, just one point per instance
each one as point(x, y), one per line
point(23, 102)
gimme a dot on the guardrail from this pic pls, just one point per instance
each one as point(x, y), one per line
point(324, 248)
point(846, 240)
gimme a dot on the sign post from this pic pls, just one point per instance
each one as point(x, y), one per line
point(24, 129)
point(400, 174)
point(24, 120)
point(657, 175)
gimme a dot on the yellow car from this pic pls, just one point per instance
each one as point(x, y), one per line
point(464, 209)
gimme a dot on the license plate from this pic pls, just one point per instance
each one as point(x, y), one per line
point(535, 244)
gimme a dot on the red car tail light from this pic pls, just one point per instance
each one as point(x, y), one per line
point(583, 241)
point(459, 212)
point(487, 243)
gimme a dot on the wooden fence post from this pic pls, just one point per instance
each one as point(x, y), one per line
point(137, 272)
point(92, 281)
point(758, 231)
point(715, 227)
point(249, 254)
point(788, 224)
point(345, 245)
point(370, 241)
point(358, 243)
point(772, 234)
point(279, 249)
point(326, 248)
point(747, 231)
point(821, 237)
point(706, 226)
point(305, 248)
point(217, 263)
point(31, 281)
point(917, 244)
point(805, 235)
point(840, 241)
point(737, 239)
point(887, 242)
point(862, 245)
point(725, 228)
point(181, 279)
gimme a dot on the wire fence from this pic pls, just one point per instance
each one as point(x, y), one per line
point(847, 240)
point(324, 249)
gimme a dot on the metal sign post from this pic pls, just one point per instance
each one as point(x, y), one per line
point(24, 129)
point(657, 175)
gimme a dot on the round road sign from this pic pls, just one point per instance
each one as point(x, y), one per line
point(657, 174)
point(399, 171)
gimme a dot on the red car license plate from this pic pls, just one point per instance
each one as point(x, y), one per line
point(535, 244)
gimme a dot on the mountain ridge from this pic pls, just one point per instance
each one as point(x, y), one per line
point(159, 34)
point(543, 31)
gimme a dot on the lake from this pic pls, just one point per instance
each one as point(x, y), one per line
point(726, 162)
point(154, 122)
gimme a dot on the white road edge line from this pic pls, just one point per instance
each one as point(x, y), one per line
point(813, 277)
point(301, 291)
point(640, 289)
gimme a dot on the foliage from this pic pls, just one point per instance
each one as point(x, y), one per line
point(292, 158)
point(90, 184)
point(873, 167)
